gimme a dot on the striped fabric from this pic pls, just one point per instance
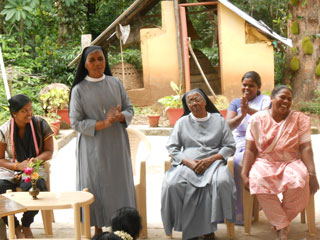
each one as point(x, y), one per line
point(281, 213)
point(278, 167)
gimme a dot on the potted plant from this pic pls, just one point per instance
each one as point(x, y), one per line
point(153, 114)
point(221, 103)
point(56, 101)
point(173, 104)
point(54, 121)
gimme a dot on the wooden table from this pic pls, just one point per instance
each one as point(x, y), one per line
point(51, 201)
point(8, 208)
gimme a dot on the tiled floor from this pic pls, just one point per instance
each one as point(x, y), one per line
point(63, 179)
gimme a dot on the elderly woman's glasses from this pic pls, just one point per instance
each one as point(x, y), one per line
point(195, 100)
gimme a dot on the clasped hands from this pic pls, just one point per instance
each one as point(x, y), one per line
point(113, 115)
point(244, 106)
point(198, 166)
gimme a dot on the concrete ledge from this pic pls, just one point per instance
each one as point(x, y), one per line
point(153, 131)
point(314, 130)
point(65, 135)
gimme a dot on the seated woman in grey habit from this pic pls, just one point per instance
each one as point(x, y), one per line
point(198, 191)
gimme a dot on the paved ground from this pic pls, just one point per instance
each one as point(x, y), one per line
point(63, 179)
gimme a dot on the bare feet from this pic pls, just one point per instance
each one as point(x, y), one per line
point(18, 232)
point(97, 230)
point(27, 232)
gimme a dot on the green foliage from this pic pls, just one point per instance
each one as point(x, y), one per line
point(295, 27)
point(55, 99)
point(272, 12)
point(279, 66)
point(312, 106)
point(318, 70)
point(16, 10)
point(294, 50)
point(105, 13)
point(212, 54)
point(131, 55)
point(307, 46)
point(173, 101)
point(268, 93)
point(294, 2)
point(52, 60)
point(12, 52)
point(294, 64)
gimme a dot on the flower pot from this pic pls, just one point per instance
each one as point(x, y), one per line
point(34, 190)
point(154, 120)
point(224, 113)
point(55, 126)
point(174, 114)
point(64, 114)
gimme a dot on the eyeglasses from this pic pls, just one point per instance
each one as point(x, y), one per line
point(195, 100)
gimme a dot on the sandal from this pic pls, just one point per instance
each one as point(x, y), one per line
point(209, 236)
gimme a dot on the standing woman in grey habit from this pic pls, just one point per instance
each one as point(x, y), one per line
point(100, 111)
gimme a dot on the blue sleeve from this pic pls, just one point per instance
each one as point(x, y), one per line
point(234, 105)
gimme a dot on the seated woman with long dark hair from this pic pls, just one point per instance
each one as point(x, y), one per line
point(23, 138)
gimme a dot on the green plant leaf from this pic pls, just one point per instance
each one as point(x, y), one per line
point(9, 15)
point(27, 8)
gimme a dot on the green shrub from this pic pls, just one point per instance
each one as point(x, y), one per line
point(295, 27)
point(307, 46)
point(294, 64)
point(310, 107)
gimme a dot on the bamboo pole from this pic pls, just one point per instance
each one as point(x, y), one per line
point(4, 76)
point(200, 69)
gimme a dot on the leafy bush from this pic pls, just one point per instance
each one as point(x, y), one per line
point(212, 54)
point(130, 55)
point(310, 107)
point(172, 101)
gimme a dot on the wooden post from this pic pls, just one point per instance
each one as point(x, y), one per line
point(85, 40)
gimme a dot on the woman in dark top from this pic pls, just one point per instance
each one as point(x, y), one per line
point(23, 138)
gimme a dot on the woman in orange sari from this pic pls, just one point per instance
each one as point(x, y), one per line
point(279, 159)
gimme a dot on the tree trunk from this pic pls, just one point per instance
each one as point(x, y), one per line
point(304, 81)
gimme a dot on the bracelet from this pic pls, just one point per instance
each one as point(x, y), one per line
point(15, 166)
point(312, 174)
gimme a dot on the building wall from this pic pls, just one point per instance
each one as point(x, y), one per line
point(159, 59)
point(237, 57)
